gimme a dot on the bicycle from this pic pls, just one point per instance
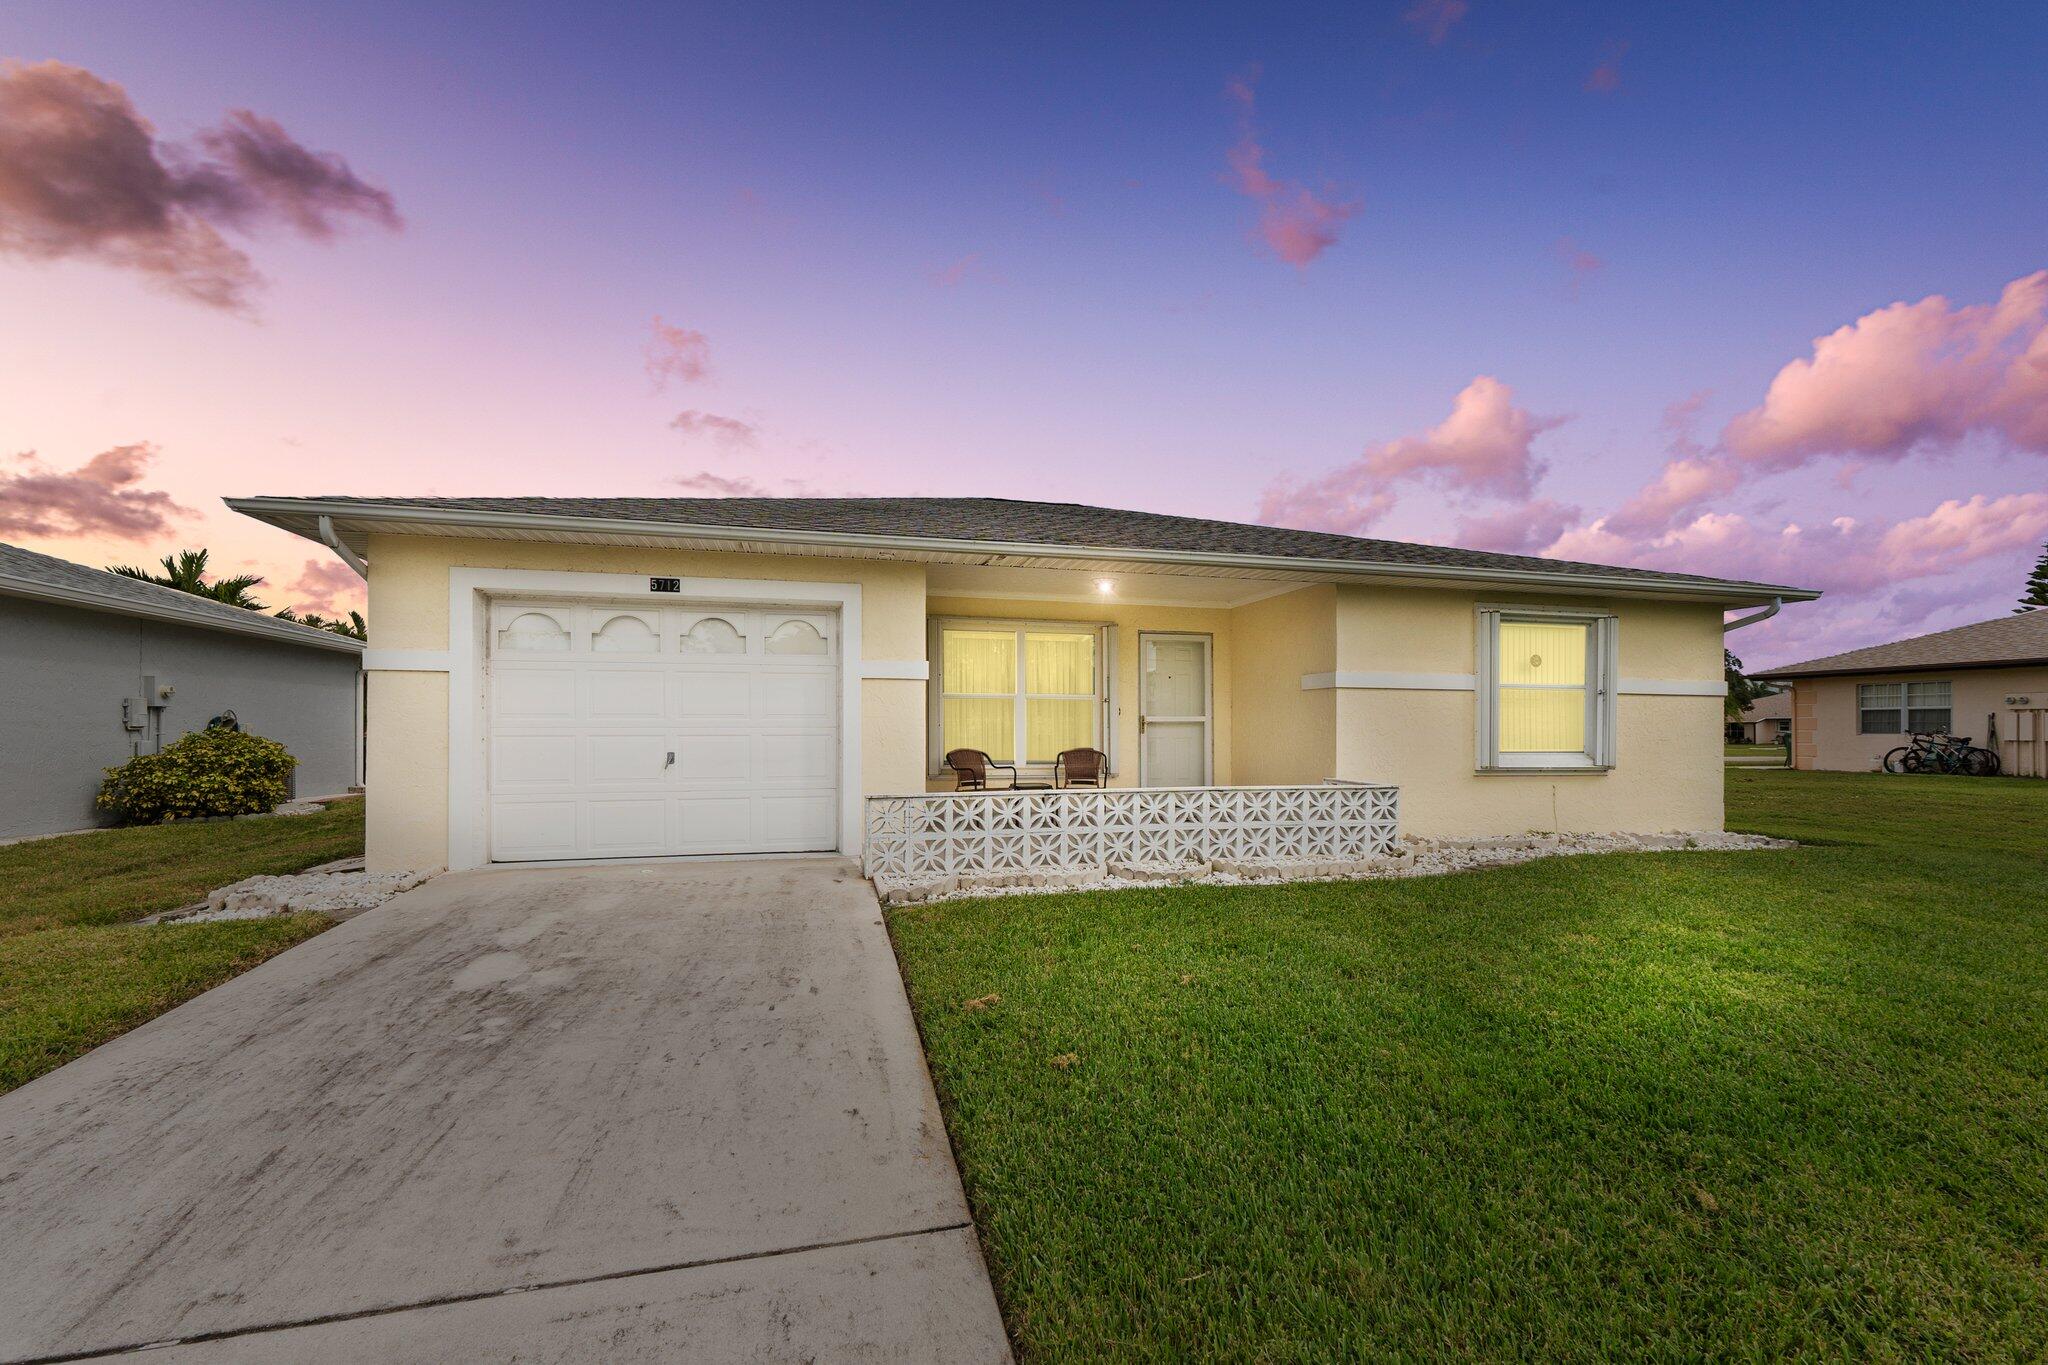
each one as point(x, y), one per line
point(1943, 753)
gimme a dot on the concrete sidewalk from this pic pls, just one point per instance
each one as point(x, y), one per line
point(617, 1113)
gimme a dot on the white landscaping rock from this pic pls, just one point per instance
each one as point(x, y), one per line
point(286, 808)
point(341, 894)
point(1412, 858)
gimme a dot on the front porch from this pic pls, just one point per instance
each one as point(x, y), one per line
point(933, 835)
point(1179, 680)
point(1197, 690)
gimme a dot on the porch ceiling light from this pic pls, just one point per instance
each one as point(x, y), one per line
point(1105, 586)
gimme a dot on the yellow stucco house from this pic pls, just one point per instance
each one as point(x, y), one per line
point(579, 678)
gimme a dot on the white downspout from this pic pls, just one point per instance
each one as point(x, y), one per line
point(1777, 605)
point(348, 556)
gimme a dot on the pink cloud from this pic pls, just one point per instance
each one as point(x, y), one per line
point(1343, 502)
point(703, 483)
point(1045, 189)
point(1605, 78)
point(1844, 555)
point(954, 273)
point(82, 176)
point(1434, 19)
point(1691, 475)
point(328, 587)
point(1295, 223)
point(97, 498)
point(1581, 264)
point(1910, 374)
point(677, 354)
point(1483, 446)
point(1521, 530)
point(729, 431)
point(1682, 485)
point(708, 485)
point(261, 172)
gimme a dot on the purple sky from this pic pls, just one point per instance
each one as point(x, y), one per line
point(1753, 293)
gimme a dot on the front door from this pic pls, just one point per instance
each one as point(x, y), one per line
point(1173, 710)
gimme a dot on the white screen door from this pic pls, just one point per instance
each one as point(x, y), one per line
point(1173, 710)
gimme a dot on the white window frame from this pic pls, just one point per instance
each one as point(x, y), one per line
point(1104, 695)
point(1902, 711)
point(1602, 676)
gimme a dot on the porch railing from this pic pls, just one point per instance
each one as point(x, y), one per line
point(974, 834)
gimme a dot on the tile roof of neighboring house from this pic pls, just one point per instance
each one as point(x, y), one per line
point(999, 521)
point(2003, 640)
point(24, 573)
point(1777, 706)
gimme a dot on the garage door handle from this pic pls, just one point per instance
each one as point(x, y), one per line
point(671, 759)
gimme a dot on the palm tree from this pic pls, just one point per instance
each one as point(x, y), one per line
point(187, 573)
point(353, 626)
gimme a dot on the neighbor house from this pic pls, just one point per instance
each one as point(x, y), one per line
point(570, 678)
point(97, 668)
point(1849, 709)
point(1767, 720)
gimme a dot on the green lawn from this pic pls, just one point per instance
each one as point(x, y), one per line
point(1776, 751)
point(1686, 1105)
point(75, 972)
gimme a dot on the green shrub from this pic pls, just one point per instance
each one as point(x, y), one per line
point(208, 772)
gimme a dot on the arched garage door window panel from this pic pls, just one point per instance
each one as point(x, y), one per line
point(625, 634)
point(533, 632)
point(714, 635)
point(798, 636)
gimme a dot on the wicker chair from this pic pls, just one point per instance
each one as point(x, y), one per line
point(1081, 768)
point(971, 768)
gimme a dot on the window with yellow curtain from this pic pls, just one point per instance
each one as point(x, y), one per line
point(979, 710)
point(1059, 693)
point(1542, 687)
point(1547, 694)
point(1022, 690)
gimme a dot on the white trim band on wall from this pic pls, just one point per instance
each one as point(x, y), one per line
point(1465, 682)
point(1674, 687)
point(915, 670)
point(406, 661)
point(1398, 682)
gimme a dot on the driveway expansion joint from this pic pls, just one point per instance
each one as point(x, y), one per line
point(387, 1310)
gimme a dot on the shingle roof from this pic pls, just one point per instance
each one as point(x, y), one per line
point(24, 573)
point(2014, 639)
point(1776, 706)
point(1010, 521)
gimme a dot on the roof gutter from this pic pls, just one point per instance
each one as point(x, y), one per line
point(348, 556)
point(268, 509)
point(1777, 605)
point(1794, 672)
point(258, 625)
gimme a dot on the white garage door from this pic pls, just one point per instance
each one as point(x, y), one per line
point(625, 732)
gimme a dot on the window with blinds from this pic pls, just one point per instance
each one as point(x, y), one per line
point(1903, 708)
point(1546, 695)
point(1020, 694)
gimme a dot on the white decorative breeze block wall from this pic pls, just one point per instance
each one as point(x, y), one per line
point(974, 834)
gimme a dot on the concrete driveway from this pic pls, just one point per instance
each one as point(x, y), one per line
point(610, 1113)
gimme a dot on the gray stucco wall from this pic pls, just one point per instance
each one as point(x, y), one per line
point(64, 671)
